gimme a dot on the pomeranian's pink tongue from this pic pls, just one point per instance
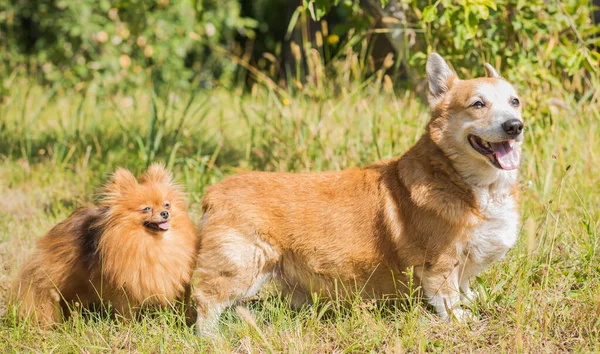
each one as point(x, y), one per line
point(164, 225)
point(507, 157)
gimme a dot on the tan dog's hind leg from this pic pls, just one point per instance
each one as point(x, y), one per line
point(298, 297)
point(440, 284)
point(230, 267)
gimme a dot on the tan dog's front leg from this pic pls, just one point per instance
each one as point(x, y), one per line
point(440, 284)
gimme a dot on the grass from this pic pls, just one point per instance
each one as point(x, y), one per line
point(58, 146)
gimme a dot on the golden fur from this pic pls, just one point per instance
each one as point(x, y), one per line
point(442, 209)
point(105, 253)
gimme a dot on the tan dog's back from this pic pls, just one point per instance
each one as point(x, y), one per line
point(311, 227)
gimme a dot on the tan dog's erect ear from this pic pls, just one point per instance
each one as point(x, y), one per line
point(439, 76)
point(121, 181)
point(157, 173)
point(491, 72)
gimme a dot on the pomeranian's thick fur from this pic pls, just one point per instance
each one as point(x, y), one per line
point(135, 248)
point(447, 208)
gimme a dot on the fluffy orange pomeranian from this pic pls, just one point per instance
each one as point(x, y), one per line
point(135, 248)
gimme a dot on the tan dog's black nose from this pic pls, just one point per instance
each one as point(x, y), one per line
point(513, 127)
point(164, 214)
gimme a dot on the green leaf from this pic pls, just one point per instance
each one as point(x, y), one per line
point(318, 8)
point(429, 13)
point(484, 12)
point(471, 23)
point(590, 64)
point(489, 3)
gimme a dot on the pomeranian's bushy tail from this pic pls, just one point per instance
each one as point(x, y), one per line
point(35, 296)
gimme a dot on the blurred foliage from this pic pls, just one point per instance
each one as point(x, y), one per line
point(203, 42)
point(319, 8)
point(548, 37)
point(119, 41)
point(532, 42)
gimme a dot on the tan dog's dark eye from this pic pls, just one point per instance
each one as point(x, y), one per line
point(515, 102)
point(167, 205)
point(146, 210)
point(478, 104)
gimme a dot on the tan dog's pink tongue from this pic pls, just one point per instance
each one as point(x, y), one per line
point(507, 157)
point(164, 225)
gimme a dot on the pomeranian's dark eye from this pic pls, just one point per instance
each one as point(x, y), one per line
point(515, 102)
point(146, 210)
point(478, 104)
point(167, 205)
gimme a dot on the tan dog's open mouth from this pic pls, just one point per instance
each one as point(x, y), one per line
point(501, 154)
point(157, 226)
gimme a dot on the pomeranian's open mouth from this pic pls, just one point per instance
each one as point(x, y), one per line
point(501, 154)
point(157, 226)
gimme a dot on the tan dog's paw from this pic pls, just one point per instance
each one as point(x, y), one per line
point(468, 296)
point(462, 315)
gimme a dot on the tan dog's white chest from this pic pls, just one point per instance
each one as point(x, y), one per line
point(495, 234)
point(490, 239)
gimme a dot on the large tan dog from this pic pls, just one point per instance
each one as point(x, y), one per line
point(448, 208)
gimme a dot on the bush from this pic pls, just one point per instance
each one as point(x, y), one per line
point(181, 41)
point(543, 40)
point(539, 38)
point(70, 41)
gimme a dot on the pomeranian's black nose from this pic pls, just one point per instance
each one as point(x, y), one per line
point(513, 127)
point(164, 214)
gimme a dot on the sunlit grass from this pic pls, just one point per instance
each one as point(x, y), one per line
point(57, 147)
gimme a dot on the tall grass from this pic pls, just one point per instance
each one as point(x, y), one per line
point(57, 147)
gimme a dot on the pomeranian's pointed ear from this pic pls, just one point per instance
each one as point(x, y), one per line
point(121, 181)
point(491, 72)
point(440, 78)
point(157, 173)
